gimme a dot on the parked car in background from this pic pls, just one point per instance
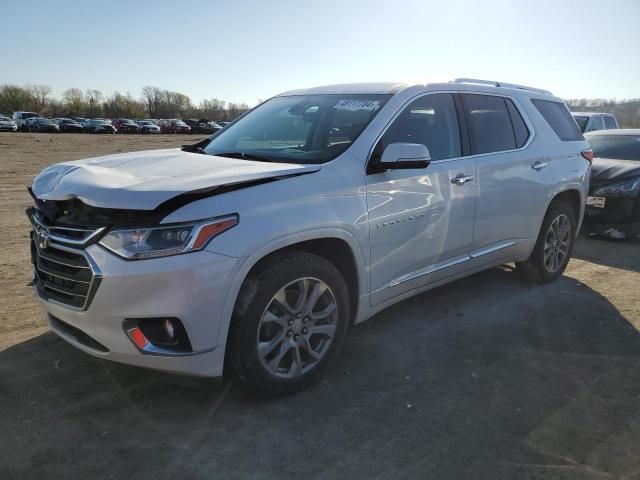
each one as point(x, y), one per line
point(7, 124)
point(68, 125)
point(613, 204)
point(223, 124)
point(200, 126)
point(42, 125)
point(173, 126)
point(215, 126)
point(312, 212)
point(147, 126)
point(592, 121)
point(80, 120)
point(99, 125)
point(125, 125)
point(21, 119)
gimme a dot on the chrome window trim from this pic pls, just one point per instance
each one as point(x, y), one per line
point(516, 103)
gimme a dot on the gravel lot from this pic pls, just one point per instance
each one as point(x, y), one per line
point(485, 378)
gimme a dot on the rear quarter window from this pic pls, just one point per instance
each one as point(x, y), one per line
point(559, 119)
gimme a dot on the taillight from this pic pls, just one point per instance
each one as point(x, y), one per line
point(587, 155)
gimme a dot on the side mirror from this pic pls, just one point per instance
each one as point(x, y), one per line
point(404, 155)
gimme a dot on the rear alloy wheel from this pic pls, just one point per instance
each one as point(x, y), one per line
point(557, 243)
point(289, 323)
point(553, 248)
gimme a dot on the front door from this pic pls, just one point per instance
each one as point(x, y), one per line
point(421, 220)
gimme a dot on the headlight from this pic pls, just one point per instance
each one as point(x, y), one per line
point(629, 188)
point(141, 243)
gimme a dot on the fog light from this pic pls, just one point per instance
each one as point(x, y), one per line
point(168, 328)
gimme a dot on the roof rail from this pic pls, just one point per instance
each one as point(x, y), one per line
point(475, 81)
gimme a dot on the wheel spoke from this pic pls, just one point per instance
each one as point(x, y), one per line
point(265, 348)
point(328, 330)
point(324, 313)
point(303, 291)
point(275, 362)
point(296, 362)
point(317, 291)
point(309, 349)
point(280, 299)
point(269, 317)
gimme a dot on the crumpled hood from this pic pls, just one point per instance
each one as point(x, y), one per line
point(144, 180)
point(604, 169)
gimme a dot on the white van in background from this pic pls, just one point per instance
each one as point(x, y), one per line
point(21, 119)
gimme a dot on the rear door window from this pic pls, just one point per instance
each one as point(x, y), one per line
point(559, 119)
point(490, 128)
point(610, 122)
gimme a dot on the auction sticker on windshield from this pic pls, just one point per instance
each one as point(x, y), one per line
point(354, 105)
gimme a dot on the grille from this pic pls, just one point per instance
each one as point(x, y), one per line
point(62, 273)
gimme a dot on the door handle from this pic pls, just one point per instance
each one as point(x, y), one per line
point(539, 165)
point(461, 179)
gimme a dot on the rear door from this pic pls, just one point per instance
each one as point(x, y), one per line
point(513, 183)
point(421, 220)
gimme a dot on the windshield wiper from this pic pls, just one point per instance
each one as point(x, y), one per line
point(244, 156)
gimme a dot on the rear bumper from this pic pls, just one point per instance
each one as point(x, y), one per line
point(192, 288)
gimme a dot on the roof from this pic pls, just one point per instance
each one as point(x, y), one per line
point(615, 131)
point(589, 114)
point(350, 89)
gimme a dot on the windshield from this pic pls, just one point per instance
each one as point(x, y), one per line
point(29, 115)
point(100, 122)
point(300, 128)
point(45, 121)
point(582, 122)
point(621, 147)
point(180, 123)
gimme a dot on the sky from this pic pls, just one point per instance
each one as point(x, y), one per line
point(247, 50)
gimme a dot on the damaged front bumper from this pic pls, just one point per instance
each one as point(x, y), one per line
point(619, 218)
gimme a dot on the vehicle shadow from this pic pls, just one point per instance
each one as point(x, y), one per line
point(485, 378)
point(624, 254)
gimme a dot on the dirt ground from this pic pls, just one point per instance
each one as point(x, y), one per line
point(486, 378)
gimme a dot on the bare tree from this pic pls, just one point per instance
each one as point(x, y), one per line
point(74, 103)
point(93, 99)
point(39, 97)
point(151, 98)
point(14, 98)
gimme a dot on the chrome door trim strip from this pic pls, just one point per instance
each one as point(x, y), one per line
point(487, 250)
point(426, 271)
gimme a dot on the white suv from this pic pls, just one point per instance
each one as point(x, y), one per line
point(593, 121)
point(258, 247)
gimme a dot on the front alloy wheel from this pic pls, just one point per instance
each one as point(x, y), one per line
point(297, 328)
point(289, 321)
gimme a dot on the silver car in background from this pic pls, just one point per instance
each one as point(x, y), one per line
point(255, 249)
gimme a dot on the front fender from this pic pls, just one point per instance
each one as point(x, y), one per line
point(284, 241)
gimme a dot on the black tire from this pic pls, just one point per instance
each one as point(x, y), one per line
point(536, 269)
point(256, 295)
